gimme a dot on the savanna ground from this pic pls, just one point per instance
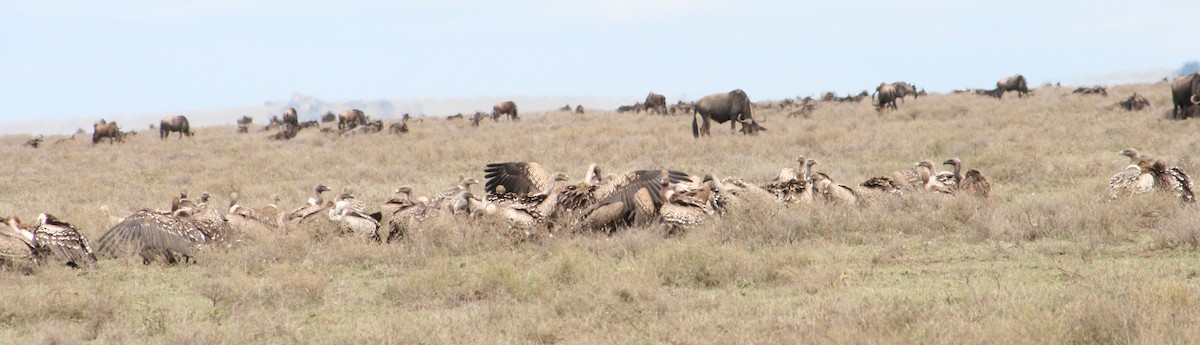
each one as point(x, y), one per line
point(1046, 261)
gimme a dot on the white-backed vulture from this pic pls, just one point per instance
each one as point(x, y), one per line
point(314, 205)
point(17, 245)
point(833, 192)
point(209, 220)
point(534, 209)
point(578, 197)
point(248, 221)
point(152, 234)
point(1146, 174)
point(630, 199)
point(400, 215)
point(788, 174)
point(512, 180)
point(797, 189)
point(951, 179)
point(62, 240)
point(738, 194)
point(685, 206)
point(350, 217)
point(452, 195)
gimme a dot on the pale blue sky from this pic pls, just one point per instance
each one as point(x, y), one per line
point(90, 59)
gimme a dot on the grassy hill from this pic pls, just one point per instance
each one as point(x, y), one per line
point(1047, 260)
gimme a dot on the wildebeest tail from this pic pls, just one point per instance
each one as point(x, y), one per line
point(695, 129)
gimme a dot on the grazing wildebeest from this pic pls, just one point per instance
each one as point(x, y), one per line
point(243, 124)
point(351, 118)
point(1098, 89)
point(733, 106)
point(579, 109)
point(505, 108)
point(656, 103)
point(885, 96)
point(1185, 94)
point(905, 89)
point(328, 117)
point(104, 129)
point(290, 117)
point(1013, 83)
point(177, 123)
point(566, 107)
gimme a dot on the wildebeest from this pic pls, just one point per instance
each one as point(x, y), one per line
point(1185, 94)
point(328, 117)
point(399, 127)
point(579, 109)
point(243, 124)
point(566, 107)
point(177, 123)
point(104, 129)
point(905, 89)
point(853, 98)
point(733, 106)
point(1135, 103)
point(289, 131)
point(505, 108)
point(351, 118)
point(656, 103)
point(636, 107)
point(682, 107)
point(34, 142)
point(885, 96)
point(1013, 83)
point(1098, 89)
point(290, 117)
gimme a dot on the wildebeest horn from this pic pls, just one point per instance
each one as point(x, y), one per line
point(1195, 99)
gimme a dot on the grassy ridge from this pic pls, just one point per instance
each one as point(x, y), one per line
point(1047, 259)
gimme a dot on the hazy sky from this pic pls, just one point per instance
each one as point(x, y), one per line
point(90, 59)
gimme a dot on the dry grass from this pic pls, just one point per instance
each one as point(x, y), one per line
point(1046, 261)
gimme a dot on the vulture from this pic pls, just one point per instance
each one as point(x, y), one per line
point(577, 197)
point(737, 193)
point(17, 245)
point(796, 188)
point(453, 195)
point(314, 205)
point(976, 184)
point(833, 192)
point(1145, 174)
point(209, 220)
point(525, 193)
point(63, 241)
point(254, 222)
point(351, 217)
point(948, 178)
point(633, 198)
point(883, 184)
point(399, 215)
point(920, 178)
point(152, 234)
point(788, 174)
point(686, 206)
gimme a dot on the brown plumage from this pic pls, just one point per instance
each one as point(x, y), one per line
point(579, 196)
point(686, 206)
point(794, 189)
point(883, 184)
point(351, 217)
point(1145, 174)
point(152, 234)
point(314, 206)
point(17, 248)
point(63, 241)
point(629, 199)
point(512, 180)
point(535, 209)
point(401, 215)
point(975, 184)
point(833, 192)
point(951, 179)
point(451, 196)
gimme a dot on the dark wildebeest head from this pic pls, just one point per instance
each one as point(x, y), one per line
point(177, 123)
point(290, 117)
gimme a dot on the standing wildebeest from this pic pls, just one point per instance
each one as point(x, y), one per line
point(885, 96)
point(290, 117)
point(505, 108)
point(351, 118)
point(733, 106)
point(904, 89)
point(177, 123)
point(1013, 83)
point(579, 109)
point(656, 103)
point(1185, 94)
point(103, 129)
